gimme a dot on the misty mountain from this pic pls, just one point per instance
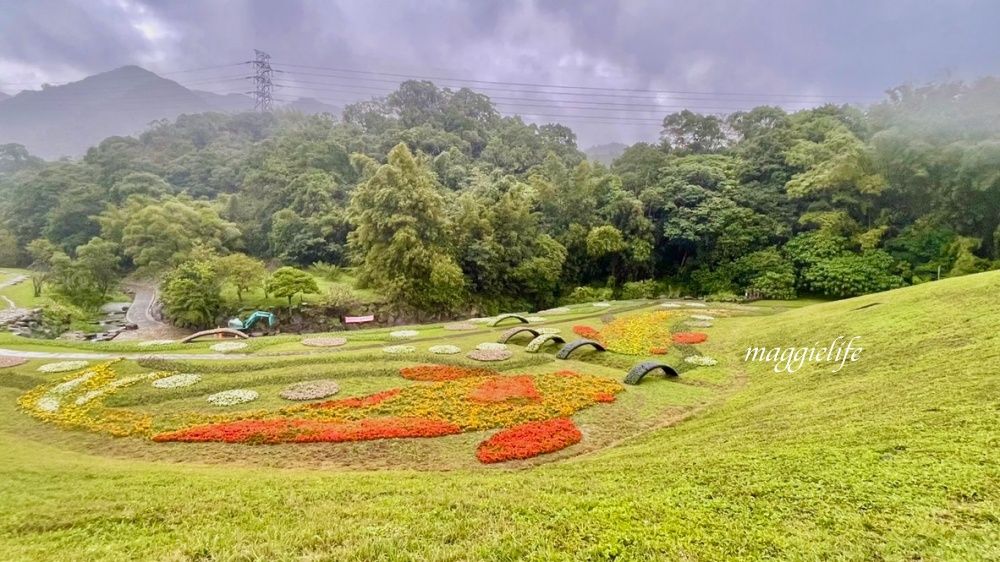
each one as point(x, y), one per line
point(605, 153)
point(66, 120)
point(3, 96)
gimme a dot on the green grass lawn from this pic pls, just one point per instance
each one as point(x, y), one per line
point(892, 458)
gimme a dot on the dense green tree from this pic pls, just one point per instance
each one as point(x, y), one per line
point(287, 282)
point(191, 294)
point(242, 271)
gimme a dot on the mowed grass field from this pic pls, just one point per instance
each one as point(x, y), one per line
point(895, 457)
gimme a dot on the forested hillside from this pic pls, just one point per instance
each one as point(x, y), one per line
point(442, 203)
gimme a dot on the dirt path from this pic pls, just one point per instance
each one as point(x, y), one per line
point(10, 283)
point(140, 314)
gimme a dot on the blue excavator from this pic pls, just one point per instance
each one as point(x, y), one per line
point(237, 324)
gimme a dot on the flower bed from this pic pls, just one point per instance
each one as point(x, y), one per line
point(490, 355)
point(227, 346)
point(704, 317)
point(403, 334)
point(491, 346)
point(232, 397)
point(63, 367)
point(690, 338)
point(310, 390)
point(177, 381)
point(553, 311)
point(7, 362)
point(699, 323)
point(670, 305)
point(150, 343)
point(696, 304)
point(536, 344)
point(659, 350)
point(444, 349)
point(324, 342)
point(442, 373)
point(535, 319)
point(529, 440)
point(459, 326)
point(587, 332)
point(309, 431)
point(638, 333)
point(543, 331)
point(701, 360)
point(602, 304)
point(502, 389)
point(398, 349)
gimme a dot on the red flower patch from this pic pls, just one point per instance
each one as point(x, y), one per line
point(442, 373)
point(690, 337)
point(309, 431)
point(529, 440)
point(586, 332)
point(604, 397)
point(500, 389)
point(360, 402)
point(660, 350)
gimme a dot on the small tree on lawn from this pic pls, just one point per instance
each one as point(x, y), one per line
point(242, 271)
point(289, 281)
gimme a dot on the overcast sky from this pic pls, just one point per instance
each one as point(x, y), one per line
point(708, 55)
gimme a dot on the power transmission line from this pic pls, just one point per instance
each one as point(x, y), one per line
point(264, 88)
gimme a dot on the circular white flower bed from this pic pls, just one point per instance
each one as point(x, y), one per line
point(150, 343)
point(233, 397)
point(324, 342)
point(310, 390)
point(491, 346)
point(397, 349)
point(547, 330)
point(670, 305)
point(229, 346)
point(559, 310)
point(63, 366)
point(702, 317)
point(602, 304)
point(459, 326)
point(444, 349)
point(535, 319)
point(403, 334)
point(6, 362)
point(702, 360)
point(489, 355)
point(696, 304)
point(699, 323)
point(177, 381)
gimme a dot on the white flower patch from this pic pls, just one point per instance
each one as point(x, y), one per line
point(310, 390)
point(702, 317)
point(535, 319)
point(48, 404)
point(699, 323)
point(702, 360)
point(229, 346)
point(558, 310)
point(90, 396)
point(491, 346)
point(118, 383)
point(696, 304)
point(63, 366)
point(398, 349)
point(154, 342)
point(70, 385)
point(403, 334)
point(233, 397)
point(177, 381)
point(602, 304)
point(542, 331)
point(481, 320)
point(444, 349)
point(670, 305)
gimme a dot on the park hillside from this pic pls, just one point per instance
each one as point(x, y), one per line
point(440, 443)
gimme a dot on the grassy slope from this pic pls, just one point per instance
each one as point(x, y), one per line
point(893, 458)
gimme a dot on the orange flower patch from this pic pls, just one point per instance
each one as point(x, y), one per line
point(586, 332)
point(310, 431)
point(660, 350)
point(604, 397)
point(361, 402)
point(442, 373)
point(690, 337)
point(529, 440)
point(501, 389)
